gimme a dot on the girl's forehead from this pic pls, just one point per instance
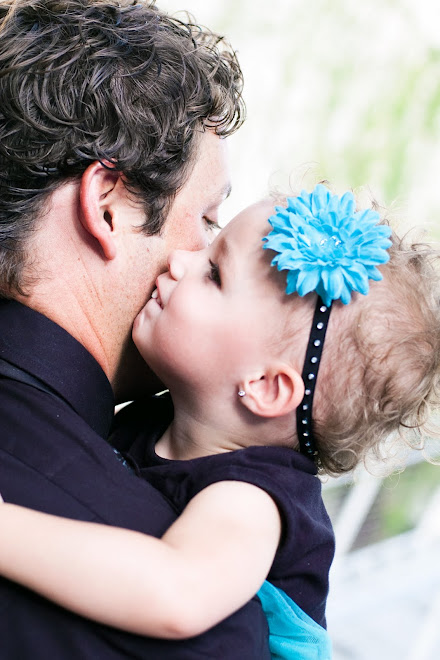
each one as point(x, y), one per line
point(241, 240)
point(252, 222)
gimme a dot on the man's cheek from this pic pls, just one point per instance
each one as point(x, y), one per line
point(188, 232)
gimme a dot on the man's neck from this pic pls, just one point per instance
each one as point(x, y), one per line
point(63, 306)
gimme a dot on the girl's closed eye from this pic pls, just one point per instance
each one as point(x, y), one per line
point(214, 273)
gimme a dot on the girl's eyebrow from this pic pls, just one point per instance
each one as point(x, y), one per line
point(224, 257)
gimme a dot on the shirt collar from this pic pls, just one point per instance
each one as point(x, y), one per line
point(36, 344)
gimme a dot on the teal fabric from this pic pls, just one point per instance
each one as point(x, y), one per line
point(292, 633)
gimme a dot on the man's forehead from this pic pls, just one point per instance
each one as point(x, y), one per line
point(209, 176)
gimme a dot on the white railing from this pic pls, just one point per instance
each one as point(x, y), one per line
point(384, 599)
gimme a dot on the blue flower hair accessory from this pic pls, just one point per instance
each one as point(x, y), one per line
point(326, 245)
point(330, 248)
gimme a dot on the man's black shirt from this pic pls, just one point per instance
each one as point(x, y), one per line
point(54, 457)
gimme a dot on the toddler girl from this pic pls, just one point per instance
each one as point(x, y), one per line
point(250, 425)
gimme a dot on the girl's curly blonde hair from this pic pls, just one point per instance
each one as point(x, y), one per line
point(380, 367)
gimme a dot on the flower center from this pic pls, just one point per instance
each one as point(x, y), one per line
point(336, 241)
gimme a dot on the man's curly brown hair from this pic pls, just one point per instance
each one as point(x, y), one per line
point(116, 81)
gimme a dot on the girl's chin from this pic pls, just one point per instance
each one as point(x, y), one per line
point(149, 310)
point(139, 327)
point(136, 323)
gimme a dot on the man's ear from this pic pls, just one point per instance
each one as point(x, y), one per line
point(275, 393)
point(97, 195)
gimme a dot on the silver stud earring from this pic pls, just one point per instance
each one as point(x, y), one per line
point(241, 393)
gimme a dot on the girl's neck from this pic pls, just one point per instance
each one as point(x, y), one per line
point(205, 430)
point(190, 437)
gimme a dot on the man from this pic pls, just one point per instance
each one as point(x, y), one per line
point(112, 119)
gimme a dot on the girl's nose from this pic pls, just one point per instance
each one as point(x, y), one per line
point(177, 263)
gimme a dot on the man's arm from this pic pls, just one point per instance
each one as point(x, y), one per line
point(210, 562)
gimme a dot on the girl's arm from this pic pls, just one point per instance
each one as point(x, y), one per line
point(208, 564)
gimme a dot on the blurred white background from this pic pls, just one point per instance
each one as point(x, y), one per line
point(344, 90)
point(350, 92)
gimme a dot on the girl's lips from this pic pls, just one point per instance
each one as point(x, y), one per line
point(155, 295)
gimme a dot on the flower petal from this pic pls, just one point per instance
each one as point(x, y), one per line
point(307, 281)
point(326, 245)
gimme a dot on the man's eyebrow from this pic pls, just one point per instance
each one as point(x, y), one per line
point(226, 191)
point(222, 193)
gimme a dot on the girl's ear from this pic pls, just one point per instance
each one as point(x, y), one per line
point(275, 393)
point(98, 193)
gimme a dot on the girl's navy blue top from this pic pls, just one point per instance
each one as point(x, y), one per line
point(303, 559)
